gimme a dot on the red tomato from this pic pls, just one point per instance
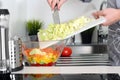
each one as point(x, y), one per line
point(67, 51)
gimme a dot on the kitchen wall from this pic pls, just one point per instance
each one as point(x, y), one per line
point(18, 10)
point(22, 10)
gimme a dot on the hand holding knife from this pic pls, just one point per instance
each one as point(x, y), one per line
point(55, 6)
point(53, 3)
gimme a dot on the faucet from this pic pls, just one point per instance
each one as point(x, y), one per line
point(102, 37)
point(104, 3)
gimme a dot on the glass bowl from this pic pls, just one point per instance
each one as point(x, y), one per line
point(37, 56)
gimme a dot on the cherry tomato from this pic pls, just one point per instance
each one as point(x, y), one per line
point(67, 51)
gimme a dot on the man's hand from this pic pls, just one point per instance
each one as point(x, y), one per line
point(111, 15)
point(59, 3)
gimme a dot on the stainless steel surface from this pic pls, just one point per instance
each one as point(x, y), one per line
point(86, 55)
point(88, 49)
point(84, 60)
point(56, 17)
point(4, 54)
point(16, 58)
point(4, 34)
point(4, 38)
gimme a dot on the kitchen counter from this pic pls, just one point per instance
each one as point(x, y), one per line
point(69, 70)
point(59, 77)
point(77, 65)
point(81, 67)
point(65, 73)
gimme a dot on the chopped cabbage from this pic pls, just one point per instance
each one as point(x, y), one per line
point(37, 51)
point(60, 31)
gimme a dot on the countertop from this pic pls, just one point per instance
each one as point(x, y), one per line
point(80, 71)
point(69, 70)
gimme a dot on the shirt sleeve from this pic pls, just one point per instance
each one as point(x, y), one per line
point(111, 4)
point(118, 4)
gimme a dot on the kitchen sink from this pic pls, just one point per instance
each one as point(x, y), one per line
point(89, 49)
point(86, 55)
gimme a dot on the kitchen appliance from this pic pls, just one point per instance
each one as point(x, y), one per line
point(10, 49)
point(15, 53)
point(4, 38)
point(4, 46)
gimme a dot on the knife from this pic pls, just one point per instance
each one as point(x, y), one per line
point(55, 14)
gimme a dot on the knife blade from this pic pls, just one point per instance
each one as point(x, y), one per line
point(56, 17)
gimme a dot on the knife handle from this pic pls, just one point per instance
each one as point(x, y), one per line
point(56, 6)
